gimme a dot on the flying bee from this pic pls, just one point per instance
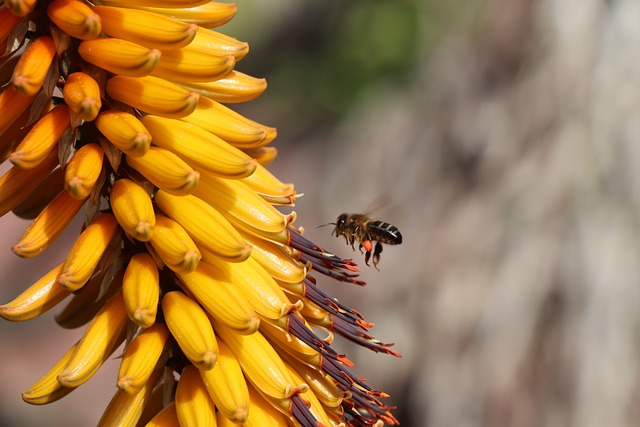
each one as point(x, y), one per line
point(364, 230)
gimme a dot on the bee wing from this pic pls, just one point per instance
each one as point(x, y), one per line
point(377, 205)
point(385, 209)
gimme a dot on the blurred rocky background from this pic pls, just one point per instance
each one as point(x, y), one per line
point(503, 138)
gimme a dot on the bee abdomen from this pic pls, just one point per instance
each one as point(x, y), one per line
point(384, 232)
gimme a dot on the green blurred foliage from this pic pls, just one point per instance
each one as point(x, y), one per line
point(371, 43)
point(319, 57)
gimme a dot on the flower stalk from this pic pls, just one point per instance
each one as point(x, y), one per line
point(117, 111)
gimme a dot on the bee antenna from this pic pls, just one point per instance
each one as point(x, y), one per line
point(324, 225)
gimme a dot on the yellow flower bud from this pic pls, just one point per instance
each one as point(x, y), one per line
point(75, 18)
point(82, 95)
point(33, 65)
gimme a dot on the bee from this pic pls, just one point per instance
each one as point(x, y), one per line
point(364, 230)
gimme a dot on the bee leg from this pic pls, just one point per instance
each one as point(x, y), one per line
point(376, 255)
point(367, 256)
point(351, 240)
point(366, 245)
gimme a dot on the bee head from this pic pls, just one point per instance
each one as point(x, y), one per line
point(341, 221)
point(340, 224)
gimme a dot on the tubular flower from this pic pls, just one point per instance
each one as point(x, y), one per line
point(117, 109)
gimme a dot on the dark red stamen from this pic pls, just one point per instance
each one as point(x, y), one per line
point(347, 330)
point(344, 270)
point(297, 328)
point(301, 413)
